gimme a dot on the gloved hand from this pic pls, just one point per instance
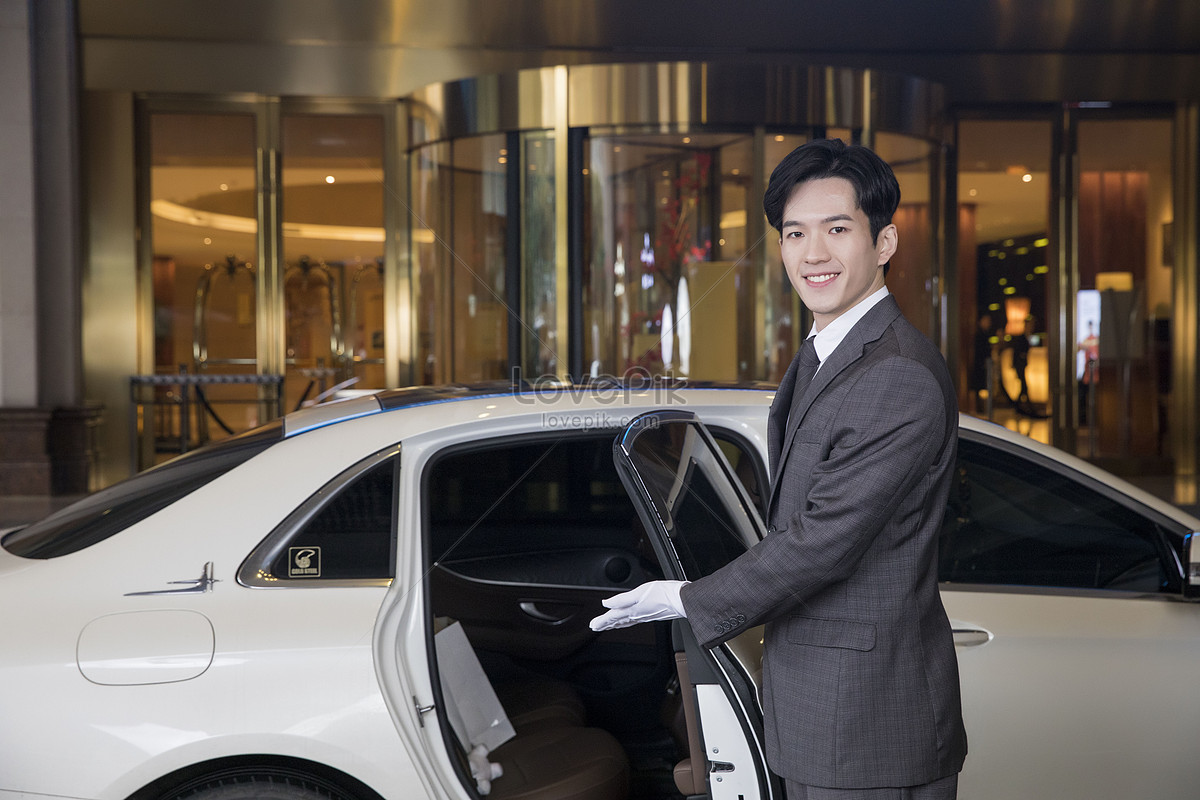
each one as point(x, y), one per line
point(649, 602)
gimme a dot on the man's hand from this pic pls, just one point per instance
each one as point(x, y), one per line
point(649, 602)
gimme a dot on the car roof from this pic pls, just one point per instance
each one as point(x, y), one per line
point(423, 396)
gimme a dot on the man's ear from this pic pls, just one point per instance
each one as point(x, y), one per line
point(886, 243)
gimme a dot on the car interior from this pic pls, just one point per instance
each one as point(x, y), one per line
point(525, 538)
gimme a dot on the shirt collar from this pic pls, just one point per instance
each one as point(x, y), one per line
point(828, 338)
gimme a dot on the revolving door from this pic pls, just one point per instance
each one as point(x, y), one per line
point(605, 220)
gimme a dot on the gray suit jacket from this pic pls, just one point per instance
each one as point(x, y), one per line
point(860, 675)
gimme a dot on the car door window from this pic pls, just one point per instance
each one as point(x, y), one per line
point(534, 500)
point(692, 493)
point(1011, 521)
point(345, 532)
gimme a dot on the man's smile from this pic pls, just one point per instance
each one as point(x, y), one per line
point(824, 277)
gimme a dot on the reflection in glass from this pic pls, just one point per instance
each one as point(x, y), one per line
point(680, 471)
point(1003, 272)
point(203, 230)
point(1125, 213)
point(332, 200)
point(667, 272)
point(539, 274)
point(460, 229)
point(781, 304)
point(910, 276)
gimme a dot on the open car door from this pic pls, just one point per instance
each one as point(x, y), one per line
point(700, 518)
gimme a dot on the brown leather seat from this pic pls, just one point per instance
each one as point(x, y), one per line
point(541, 702)
point(561, 763)
point(552, 756)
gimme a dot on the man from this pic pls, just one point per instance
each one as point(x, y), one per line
point(860, 676)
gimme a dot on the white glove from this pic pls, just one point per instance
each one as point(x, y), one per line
point(649, 602)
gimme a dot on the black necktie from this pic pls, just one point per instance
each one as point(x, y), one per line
point(805, 371)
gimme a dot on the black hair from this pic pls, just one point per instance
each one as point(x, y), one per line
point(875, 185)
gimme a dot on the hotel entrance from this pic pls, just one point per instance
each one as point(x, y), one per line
point(597, 221)
point(606, 221)
point(1066, 267)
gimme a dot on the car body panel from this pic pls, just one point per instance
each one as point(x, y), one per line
point(1071, 683)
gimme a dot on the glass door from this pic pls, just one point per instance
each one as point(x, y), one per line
point(245, 329)
point(203, 198)
point(333, 238)
point(1125, 305)
point(460, 247)
point(1004, 270)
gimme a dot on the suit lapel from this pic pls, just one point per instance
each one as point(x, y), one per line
point(777, 417)
point(866, 330)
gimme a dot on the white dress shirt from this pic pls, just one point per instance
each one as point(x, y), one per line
point(829, 337)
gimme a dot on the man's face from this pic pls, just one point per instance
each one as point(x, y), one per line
point(827, 248)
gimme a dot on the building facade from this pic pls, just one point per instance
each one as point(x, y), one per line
point(227, 210)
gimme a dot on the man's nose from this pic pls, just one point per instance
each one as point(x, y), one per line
point(816, 252)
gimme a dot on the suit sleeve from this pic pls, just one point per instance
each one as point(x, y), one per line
point(882, 445)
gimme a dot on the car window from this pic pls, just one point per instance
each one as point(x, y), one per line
point(110, 511)
point(345, 532)
point(707, 523)
point(527, 495)
point(540, 495)
point(1014, 522)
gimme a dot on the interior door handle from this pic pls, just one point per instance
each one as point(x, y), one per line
point(531, 608)
point(971, 637)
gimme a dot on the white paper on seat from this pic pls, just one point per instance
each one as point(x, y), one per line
point(472, 706)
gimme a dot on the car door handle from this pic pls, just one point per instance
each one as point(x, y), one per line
point(560, 614)
point(971, 637)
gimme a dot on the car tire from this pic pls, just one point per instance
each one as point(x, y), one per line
point(263, 786)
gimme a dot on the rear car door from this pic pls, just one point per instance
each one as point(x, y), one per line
point(699, 517)
point(1076, 649)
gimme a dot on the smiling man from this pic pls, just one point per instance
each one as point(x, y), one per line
point(860, 676)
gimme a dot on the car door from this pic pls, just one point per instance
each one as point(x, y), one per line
point(1077, 652)
point(700, 516)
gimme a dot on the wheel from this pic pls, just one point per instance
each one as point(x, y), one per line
point(261, 785)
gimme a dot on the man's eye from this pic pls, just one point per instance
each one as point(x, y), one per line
point(837, 229)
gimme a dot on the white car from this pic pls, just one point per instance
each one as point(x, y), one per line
point(383, 597)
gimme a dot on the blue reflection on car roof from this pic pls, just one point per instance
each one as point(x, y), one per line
point(417, 396)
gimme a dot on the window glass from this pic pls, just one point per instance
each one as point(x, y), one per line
point(1004, 272)
point(539, 497)
point(542, 348)
point(332, 200)
point(912, 270)
point(668, 279)
point(706, 522)
point(204, 241)
point(110, 511)
point(528, 496)
point(349, 537)
point(460, 240)
point(1012, 522)
point(1126, 305)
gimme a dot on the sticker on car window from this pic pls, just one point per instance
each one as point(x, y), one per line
point(304, 562)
